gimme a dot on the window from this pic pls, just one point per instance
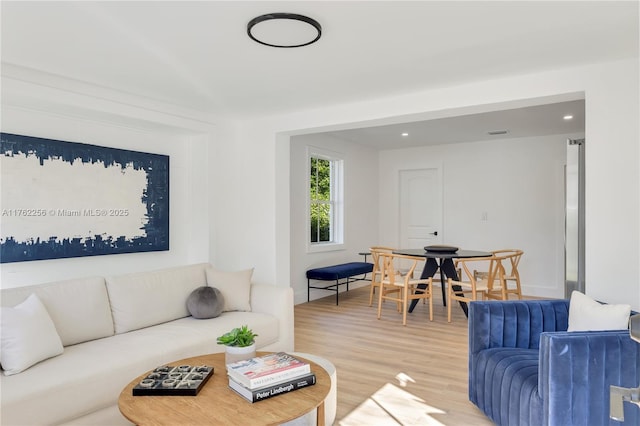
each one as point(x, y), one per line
point(325, 201)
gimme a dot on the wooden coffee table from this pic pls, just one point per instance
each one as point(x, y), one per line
point(216, 403)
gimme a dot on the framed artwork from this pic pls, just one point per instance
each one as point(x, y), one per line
point(64, 199)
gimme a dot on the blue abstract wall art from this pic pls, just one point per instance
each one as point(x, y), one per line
point(65, 199)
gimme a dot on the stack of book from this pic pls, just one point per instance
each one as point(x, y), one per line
point(269, 375)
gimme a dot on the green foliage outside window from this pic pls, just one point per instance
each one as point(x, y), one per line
point(320, 196)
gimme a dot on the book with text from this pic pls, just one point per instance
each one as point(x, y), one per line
point(267, 370)
point(254, 395)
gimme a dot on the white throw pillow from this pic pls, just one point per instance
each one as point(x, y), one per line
point(585, 314)
point(234, 286)
point(27, 336)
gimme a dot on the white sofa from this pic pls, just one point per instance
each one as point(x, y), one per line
point(116, 328)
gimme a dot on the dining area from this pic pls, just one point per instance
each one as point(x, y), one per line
point(406, 276)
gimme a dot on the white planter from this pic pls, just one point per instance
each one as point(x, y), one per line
point(237, 353)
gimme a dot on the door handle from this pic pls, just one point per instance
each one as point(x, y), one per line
point(433, 233)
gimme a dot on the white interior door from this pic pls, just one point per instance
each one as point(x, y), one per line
point(420, 207)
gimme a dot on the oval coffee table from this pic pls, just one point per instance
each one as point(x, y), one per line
point(216, 403)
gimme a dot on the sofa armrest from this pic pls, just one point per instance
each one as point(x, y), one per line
point(576, 370)
point(276, 301)
point(514, 323)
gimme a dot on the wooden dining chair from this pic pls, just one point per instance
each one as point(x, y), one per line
point(477, 286)
point(442, 281)
point(376, 274)
point(393, 280)
point(510, 259)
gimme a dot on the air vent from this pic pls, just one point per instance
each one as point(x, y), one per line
point(498, 132)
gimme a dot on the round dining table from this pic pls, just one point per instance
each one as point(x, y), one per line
point(442, 259)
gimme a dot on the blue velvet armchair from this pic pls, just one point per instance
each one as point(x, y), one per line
point(526, 369)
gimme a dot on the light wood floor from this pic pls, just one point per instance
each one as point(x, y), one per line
point(389, 374)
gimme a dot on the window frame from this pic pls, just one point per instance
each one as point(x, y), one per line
point(336, 201)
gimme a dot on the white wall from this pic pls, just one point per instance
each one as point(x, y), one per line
point(613, 182)
point(247, 200)
point(243, 189)
point(518, 183)
point(360, 212)
point(36, 111)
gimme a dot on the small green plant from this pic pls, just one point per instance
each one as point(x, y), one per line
point(241, 337)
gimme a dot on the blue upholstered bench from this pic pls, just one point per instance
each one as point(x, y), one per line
point(350, 272)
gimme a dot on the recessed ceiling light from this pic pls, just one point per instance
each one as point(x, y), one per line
point(284, 30)
point(567, 117)
point(405, 134)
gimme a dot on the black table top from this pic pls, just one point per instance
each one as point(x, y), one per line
point(443, 255)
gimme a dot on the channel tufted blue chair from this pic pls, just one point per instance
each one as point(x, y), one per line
point(526, 369)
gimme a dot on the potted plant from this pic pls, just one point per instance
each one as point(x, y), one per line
point(240, 344)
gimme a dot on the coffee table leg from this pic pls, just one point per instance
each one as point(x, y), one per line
point(320, 414)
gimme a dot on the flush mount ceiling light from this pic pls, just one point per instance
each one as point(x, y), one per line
point(284, 30)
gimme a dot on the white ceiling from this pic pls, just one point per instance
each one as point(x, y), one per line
point(540, 120)
point(197, 55)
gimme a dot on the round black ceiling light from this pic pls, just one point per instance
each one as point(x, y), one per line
point(284, 30)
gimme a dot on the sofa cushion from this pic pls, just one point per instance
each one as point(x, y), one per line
point(585, 314)
point(507, 385)
point(205, 302)
point(79, 308)
point(235, 287)
point(27, 336)
point(148, 298)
